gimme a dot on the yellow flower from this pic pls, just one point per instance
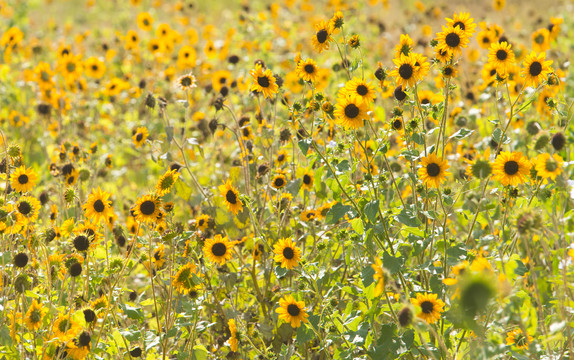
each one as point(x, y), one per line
point(535, 69)
point(287, 253)
point(511, 168)
point(307, 70)
point(433, 170)
point(23, 179)
point(292, 311)
point(431, 307)
point(322, 36)
point(98, 206)
point(218, 249)
point(65, 328)
point(379, 276)
point(231, 195)
point(350, 111)
point(34, 316)
point(452, 40)
point(516, 337)
point(166, 182)
point(501, 56)
point(147, 208)
point(263, 81)
point(140, 136)
point(547, 166)
point(183, 280)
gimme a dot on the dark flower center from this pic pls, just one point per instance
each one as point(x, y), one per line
point(452, 40)
point(95, 67)
point(322, 36)
point(23, 179)
point(231, 197)
point(186, 81)
point(71, 67)
point(280, 157)
point(24, 208)
point(139, 137)
point(511, 167)
point(427, 307)
point(425, 101)
point(306, 179)
point(551, 166)
point(309, 68)
point(362, 90)
point(447, 71)
point(263, 81)
point(397, 124)
point(406, 71)
point(288, 253)
point(147, 207)
point(460, 24)
point(535, 69)
point(279, 182)
point(35, 316)
point(501, 55)
point(219, 249)
point(293, 309)
point(84, 339)
point(99, 206)
point(351, 111)
point(63, 325)
point(81, 243)
point(433, 169)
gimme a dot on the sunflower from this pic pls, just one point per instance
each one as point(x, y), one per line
point(360, 88)
point(99, 306)
point(202, 222)
point(140, 136)
point(307, 70)
point(405, 71)
point(231, 195)
point(263, 81)
point(433, 170)
point(233, 342)
point(27, 209)
point(22, 179)
point(184, 280)
point(279, 181)
point(431, 307)
point(308, 215)
point(405, 46)
point(65, 328)
point(462, 21)
point(307, 180)
point(535, 68)
point(144, 21)
point(516, 337)
point(292, 311)
point(379, 276)
point(147, 208)
point(501, 56)
point(548, 166)
point(218, 249)
point(79, 348)
point(511, 168)
point(452, 40)
point(159, 256)
point(70, 66)
point(282, 157)
point(98, 206)
point(350, 111)
point(448, 71)
point(479, 167)
point(287, 253)
point(34, 316)
point(322, 36)
point(186, 82)
point(166, 182)
point(94, 68)
point(541, 40)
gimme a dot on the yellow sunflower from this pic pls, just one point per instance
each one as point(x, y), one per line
point(65, 328)
point(405, 46)
point(452, 40)
point(279, 181)
point(186, 82)
point(431, 307)
point(517, 338)
point(433, 170)
point(159, 256)
point(22, 179)
point(98, 206)
point(183, 280)
point(548, 166)
point(34, 316)
point(144, 21)
point(233, 342)
point(308, 215)
point(27, 210)
point(360, 88)
point(292, 311)
point(350, 111)
point(231, 195)
point(501, 56)
point(140, 136)
point(511, 168)
point(405, 72)
point(307, 70)
point(263, 81)
point(282, 157)
point(147, 208)
point(322, 36)
point(287, 253)
point(463, 21)
point(166, 182)
point(218, 249)
point(202, 222)
point(94, 68)
point(307, 180)
point(535, 68)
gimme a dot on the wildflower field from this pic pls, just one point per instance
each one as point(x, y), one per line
point(297, 179)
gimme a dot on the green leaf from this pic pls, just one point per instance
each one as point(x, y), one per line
point(132, 312)
point(371, 210)
point(461, 134)
point(336, 212)
point(357, 225)
point(183, 190)
point(280, 271)
point(411, 155)
point(304, 145)
point(199, 353)
point(367, 275)
point(408, 218)
point(392, 263)
point(520, 269)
